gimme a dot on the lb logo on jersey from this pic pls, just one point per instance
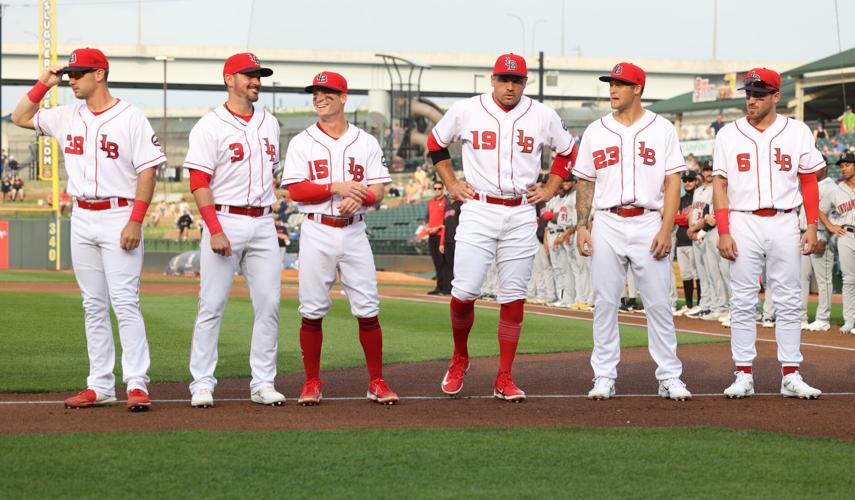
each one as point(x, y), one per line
point(526, 143)
point(647, 154)
point(111, 148)
point(321, 78)
point(270, 150)
point(618, 70)
point(510, 64)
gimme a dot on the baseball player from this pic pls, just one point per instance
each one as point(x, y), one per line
point(110, 151)
point(559, 234)
point(842, 201)
point(504, 134)
point(685, 254)
point(334, 170)
point(820, 263)
point(541, 287)
point(629, 167)
point(760, 162)
point(701, 205)
point(231, 157)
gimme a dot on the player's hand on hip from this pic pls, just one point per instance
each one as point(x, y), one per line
point(51, 76)
point(221, 245)
point(349, 189)
point(583, 241)
point(808, 241)
point(131, 236)
point(727, 247)
point(349, 206)
point(661, 245)
point(461, 190)
point(537, 194)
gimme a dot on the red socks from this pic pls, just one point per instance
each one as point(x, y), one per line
point(744, 369)
point(311, 338)
point(786, 370)
point(462, 317)
point(371, 338)
point(510, 324)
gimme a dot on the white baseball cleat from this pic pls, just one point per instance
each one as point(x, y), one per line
point(683, 310)
point(726, 324)
point(712, 316)
point(604, 388)
point(725, 318)
point(847, 327)
point(202, 398)
point(768, 323)
point(698, 313)
point(793, 386)
point(742, 387)
point(819, 326)
point(675, 389)
point(805, 325)
point(267, 395)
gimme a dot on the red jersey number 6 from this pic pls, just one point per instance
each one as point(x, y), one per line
point(743, 162)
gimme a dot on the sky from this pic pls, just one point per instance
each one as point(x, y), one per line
point(784, 30)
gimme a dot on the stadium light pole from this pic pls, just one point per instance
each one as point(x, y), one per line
point(534, 32)
point(165, 128)
point(522, 25)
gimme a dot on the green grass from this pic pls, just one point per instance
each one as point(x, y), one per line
point(68, 277)
point(43, 348)
point(438, 463)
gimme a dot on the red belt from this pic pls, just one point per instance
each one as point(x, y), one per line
point(628, 212)
point(101, 204)
point(248, 211)
point(330, 220)
point(769, 212)
point(508, 202)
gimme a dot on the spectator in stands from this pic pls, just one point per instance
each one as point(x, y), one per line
point(394, 191)
point(819, 133)
point(6, 187)
point(2, 162)
point(435, 217)
point(17, 188)
point(184, 223)
point(183, 207)
point(421, 176)
point(715, 126)
point(837, 148)
point(413, 192)
point(692, 163)
point(847, 121)
point(12, 165)
point(159, 211)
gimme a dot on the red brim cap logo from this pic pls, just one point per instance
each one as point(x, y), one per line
point(510, 64)
point(72, 58)
point(255, 59)
point(618, 70)
point(321, 78)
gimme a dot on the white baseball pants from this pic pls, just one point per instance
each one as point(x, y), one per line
point(255, 253)
point(698, 252)
point(821, 267)
point(846, 251)
point(773, 243)
point(619, 243)
point(108, 275)
point(565, 280)
point(718, 273)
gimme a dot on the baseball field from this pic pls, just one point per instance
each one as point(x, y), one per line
point(556, 444)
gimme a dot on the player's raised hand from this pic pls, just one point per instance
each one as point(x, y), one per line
point(131, 236)
point(461, 190)
point(661, 245)
point(350, 189)
point(727, 247)
point(51, 76)
point(349, 205)
point(221, 245)
point(583, 241)
point(808, 241)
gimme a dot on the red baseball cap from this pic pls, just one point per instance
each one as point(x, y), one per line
point(327, 80)
point(86, 58)
point(627, 73)
point(761, 80)
point(245, 62)
point(510, 64)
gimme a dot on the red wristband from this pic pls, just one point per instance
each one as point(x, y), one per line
point(722, 221)
point(37, 93)
point(370, 199)
point(209, 215)
point(138, 213)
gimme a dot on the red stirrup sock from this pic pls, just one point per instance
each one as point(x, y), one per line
point(311, 338)
point(786, 370)
point(510, 324)
point(371, 338)
point(744, 369)
point(462, 317)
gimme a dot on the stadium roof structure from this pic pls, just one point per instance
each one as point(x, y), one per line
point(840, 61)
point(683, 102)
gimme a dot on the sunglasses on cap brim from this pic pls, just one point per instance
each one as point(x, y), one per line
point(78, 73)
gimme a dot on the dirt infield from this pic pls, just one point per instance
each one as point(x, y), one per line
point(556, 384)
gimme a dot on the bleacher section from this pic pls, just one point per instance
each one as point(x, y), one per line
point(391, 231)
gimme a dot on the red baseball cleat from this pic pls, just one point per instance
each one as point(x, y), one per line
point(453, 380)
point(311, 394)
point(88, 398)
point(506, 389)
point(138, 400)
point(379, 391)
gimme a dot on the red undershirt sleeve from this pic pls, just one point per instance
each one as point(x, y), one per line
point(199, 179)
point(810, 195)
point(309, 192)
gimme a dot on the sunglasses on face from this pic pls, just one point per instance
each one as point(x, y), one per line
point(76, 75)
point(437, 188)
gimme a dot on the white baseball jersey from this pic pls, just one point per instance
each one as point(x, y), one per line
point(315, 156)
point(240, 156)
point(842, 201)
point(629, 164)
point(701, 199)
point(826, 187)
point(762, 167)
point(564, 209)
point(502, 150)
point(104, 153)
